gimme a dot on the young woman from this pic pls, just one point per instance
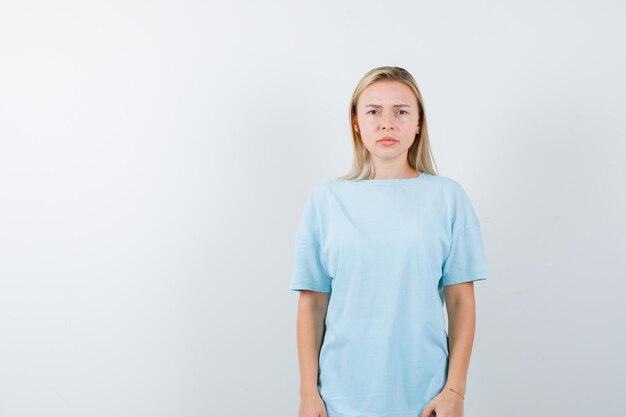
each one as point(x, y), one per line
point(376, 254)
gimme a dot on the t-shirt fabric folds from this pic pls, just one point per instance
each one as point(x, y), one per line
point(384, 249)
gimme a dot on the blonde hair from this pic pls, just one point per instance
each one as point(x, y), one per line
point(418, 156)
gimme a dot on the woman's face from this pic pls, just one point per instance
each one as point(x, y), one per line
point(387, 109)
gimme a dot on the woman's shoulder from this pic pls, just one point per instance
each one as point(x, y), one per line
point(318, 189)
point(446, 182)
point(454, 191)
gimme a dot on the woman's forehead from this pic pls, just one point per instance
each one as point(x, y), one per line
point(387, 93)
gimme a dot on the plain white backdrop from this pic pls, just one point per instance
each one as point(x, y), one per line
point(155, 158)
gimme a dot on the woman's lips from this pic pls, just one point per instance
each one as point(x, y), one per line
point(387, 141)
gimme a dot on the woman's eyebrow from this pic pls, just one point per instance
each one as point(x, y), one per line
point(376, 106)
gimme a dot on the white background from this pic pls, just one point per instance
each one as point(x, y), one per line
point(155, 158)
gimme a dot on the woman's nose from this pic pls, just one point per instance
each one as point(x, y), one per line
point(387, 122)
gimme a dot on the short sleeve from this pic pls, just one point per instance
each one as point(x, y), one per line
point(466, 258)
point(309, 271)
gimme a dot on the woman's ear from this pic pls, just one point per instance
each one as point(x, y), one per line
point(354, 123)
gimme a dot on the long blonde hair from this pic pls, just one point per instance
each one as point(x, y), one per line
point(418, 156)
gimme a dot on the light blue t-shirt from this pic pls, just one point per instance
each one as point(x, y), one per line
point(384, 249)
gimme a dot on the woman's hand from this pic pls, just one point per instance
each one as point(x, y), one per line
point(445, 404)
point(312, 406)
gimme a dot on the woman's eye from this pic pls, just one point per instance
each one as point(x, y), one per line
point(400, 111)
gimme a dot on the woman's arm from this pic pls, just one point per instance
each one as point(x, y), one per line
point(461, 308)
point(312, 307)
